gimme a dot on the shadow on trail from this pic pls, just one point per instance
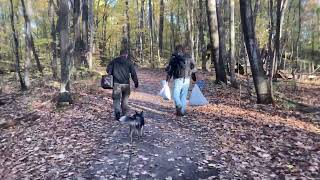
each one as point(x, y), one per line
point(225, 142)
point(164, 151)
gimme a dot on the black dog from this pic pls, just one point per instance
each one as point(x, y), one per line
point(136, 123)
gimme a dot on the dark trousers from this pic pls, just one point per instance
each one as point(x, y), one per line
point(120, 96)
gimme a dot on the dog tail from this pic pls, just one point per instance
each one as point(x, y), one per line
point(124, 119)
point(130, 121)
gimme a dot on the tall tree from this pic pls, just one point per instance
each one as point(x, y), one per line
point(284, 6)
point(232, 46)
point(141, 34)
point(63, 28)
point(127, 29)
point(255, 12)
point(155, 27)
point(29, 37)
point(161, 20)
point(201, 36)
point(263, 91)
point(103, 42)
point(178, 19)
point(16, 48)
point(313, 25)
point(297, 43)
point(276, 56)
point(54, 63)
point(222, 30)
point(172, 39)
point(152, 61)
point(283, 33)
point(190, 40)
point(97, 14)
point(27, 34)
point(271, 28)
point(137, 13)
point(85, 29)
point(214, 39)
point(91, 37)
point(78, 43)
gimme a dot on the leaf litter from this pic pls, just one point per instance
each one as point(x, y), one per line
point(246, 141)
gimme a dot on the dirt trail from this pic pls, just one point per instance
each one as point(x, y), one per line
point(167, 150)
point(222, 140)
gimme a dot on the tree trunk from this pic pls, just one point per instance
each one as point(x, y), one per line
point(263, 91)
point(28, 49)
point(35, 54)
point(142, 31)
point(137, 12)
point(312, 42)
point(270, 50)
point(195, 30)
point(284, 6)
point(78, 43)
point(16, 48)
point(214, 39)
point(155, 24)
point(54, 63)
point(172, 39)
point(276, 48)
point(161, 19)
point(318, 19)
point(201, 37)
point(190, 40)
point(152, 61)
point(282, 33)
point(91, 27)
point(103, 43)
point(97, 15)
point(255, 12)
point(297, 44)
point(232, 46)
point(126, 40)
point(85, 34)
point(63, 28)
point(178, 21)
point(222, 36)
point(29, 37)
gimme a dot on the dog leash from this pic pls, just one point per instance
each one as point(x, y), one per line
point(128, 169)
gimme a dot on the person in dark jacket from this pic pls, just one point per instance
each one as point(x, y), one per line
point(122, 68)
point(181, 67)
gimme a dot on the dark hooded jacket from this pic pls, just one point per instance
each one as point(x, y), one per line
point(121, 69)
point(188, 63)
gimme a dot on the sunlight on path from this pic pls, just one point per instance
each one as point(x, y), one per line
point(144, 108)
point(258, 117)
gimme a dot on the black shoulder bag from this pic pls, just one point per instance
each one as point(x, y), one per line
point(107, 80)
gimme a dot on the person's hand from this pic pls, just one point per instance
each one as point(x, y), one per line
point(194, 77)
point(168, 79)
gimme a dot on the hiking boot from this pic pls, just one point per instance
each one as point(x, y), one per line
point(179, 111)
point(117, 117)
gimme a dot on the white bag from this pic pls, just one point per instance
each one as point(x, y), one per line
point(196, 97)
point(165, 91)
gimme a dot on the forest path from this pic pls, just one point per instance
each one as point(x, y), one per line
point(223, 140)
point(167, 150)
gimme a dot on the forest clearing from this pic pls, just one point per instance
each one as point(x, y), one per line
point(258, 63)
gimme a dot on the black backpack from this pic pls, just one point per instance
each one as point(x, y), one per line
point(107, 80)
point(179, 66)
